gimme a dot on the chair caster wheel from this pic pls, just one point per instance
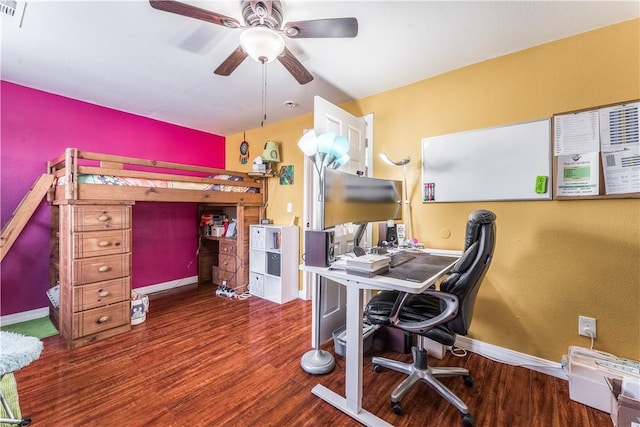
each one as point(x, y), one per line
point(468, 380)
point(377, 368)
point(467, 420)
point(25, 422)
point(397, 408)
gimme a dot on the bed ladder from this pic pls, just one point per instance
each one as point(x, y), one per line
point(12, 228)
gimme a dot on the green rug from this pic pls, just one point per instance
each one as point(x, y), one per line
point(39, 328)
point(10, 392)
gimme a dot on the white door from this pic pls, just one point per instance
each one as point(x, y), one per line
point(330, 118)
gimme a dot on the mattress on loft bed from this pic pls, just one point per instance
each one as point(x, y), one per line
point(181, 185)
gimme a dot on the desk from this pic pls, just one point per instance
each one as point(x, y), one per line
point(351, 404)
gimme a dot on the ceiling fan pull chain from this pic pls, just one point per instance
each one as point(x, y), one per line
point(264, 94)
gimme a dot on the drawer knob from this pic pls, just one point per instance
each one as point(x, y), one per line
point(103, 319)
point(103, 269)
point(103, 218)
point(102, 293)
point(104, 244)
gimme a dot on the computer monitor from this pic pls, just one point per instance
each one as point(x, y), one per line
point(349, 198)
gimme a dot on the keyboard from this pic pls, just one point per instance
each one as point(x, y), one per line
point(399, 258)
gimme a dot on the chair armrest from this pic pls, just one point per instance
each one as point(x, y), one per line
point(450, 311)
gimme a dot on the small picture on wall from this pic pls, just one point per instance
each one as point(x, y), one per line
point(286, 175)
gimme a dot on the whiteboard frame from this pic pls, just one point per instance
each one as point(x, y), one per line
point(492, 164)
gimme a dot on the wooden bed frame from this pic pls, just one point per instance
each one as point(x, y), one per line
point(91, 235)
point(70, 164)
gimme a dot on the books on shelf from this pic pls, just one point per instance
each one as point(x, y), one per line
point(277, 240)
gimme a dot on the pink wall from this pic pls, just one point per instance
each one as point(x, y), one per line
point(37, 126)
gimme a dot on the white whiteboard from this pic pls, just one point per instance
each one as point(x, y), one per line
point(500, 163)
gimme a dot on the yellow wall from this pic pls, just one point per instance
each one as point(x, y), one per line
point(554, 260)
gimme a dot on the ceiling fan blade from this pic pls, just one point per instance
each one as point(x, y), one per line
point(297, 70)
point(194, 12)
point(231, 63)
point(322, 28)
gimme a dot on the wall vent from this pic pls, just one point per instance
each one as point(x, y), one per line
point(8, 7)
point(13, 10)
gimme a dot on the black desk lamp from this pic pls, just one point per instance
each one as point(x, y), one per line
point(403, 162)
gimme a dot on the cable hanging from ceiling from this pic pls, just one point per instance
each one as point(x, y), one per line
point(264, 93)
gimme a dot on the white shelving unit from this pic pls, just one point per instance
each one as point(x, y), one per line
point(273, 262)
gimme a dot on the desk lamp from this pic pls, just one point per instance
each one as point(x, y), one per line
point(325, 151)
point(407, 203)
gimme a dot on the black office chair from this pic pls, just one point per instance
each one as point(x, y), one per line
point(438, 314)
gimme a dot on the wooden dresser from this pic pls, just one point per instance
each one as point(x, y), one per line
point(227, 263)
point(91, 263)
point(94, 271)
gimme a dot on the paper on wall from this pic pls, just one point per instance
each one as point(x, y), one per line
point(620, 145)
point(577, 133)
point(578, 174)
point(622, 170)
point(620, 126)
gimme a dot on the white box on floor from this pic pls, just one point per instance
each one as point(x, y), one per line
point(434, 349)
point(587, 374)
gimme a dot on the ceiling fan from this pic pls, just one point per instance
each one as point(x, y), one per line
point(261, 37)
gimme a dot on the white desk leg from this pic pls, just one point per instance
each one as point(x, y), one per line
point(352, 404)
point(353, 372)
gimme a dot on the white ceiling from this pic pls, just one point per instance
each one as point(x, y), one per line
point(130, 57)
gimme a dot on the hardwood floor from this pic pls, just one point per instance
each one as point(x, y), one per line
point(205, 360)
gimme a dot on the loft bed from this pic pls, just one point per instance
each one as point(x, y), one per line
point(83, 176)
point(91, 223)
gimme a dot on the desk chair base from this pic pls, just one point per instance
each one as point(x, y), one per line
point(418, 370)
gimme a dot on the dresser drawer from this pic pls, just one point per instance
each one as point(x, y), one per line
point(227, 247)
point(99, 269)
point(101, 319)
point(102, 217)
point(99, 294)
point(227, 262)
point(97, 243)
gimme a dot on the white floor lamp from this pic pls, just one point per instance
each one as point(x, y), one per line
point(326, 151)
point(407, 203)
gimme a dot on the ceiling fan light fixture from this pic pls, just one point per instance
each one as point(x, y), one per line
point(262, 44)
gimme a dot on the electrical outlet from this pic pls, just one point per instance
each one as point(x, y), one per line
point(587, 324)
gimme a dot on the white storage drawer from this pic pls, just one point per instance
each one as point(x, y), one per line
point(256, 285)
point(257, 237)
